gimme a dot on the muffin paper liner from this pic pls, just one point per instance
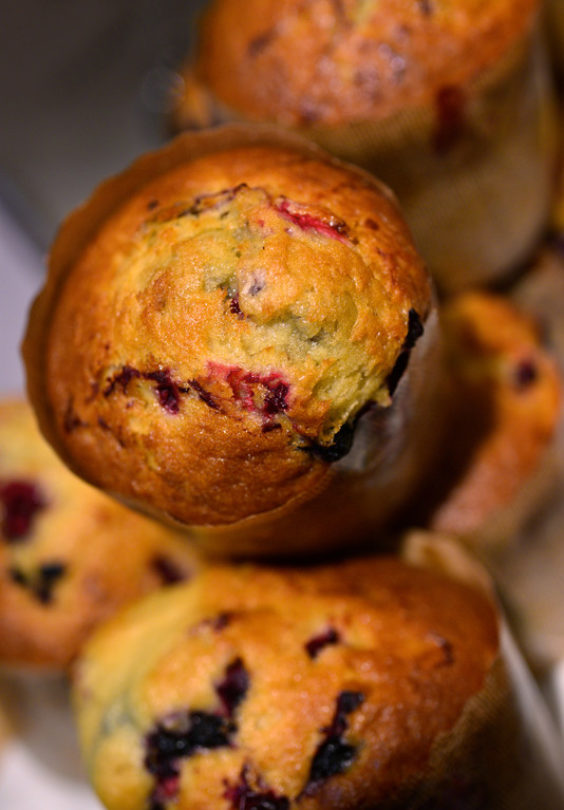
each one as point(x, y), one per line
point(504, 752)
point(393, 447)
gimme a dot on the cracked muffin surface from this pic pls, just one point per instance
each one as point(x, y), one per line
point(255, 687)
point(69, 555)
point(209, 351)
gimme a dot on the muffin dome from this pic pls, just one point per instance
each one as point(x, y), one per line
point(59, 543)
point(282, 688)
point(330, 63)
point(208, 352)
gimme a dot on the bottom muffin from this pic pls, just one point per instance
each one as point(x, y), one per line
point(254, 688)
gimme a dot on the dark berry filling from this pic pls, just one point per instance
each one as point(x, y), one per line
point(21, 501)
point(526, 373)
point(49, 575)
point(317, 643)
point(334, 228)
point(334, 755)
point(43, 583)
point(243, 797)
point(234, 306)
point(233, 688)
point(414, 332)
point(265, 394)
point(167, 390)
point(181, 735)
point(122, 379)
point(341, 445)
point(168, 570)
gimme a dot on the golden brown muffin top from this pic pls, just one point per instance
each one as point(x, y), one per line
point(281, 684)
point(224, 329)
point(302, 63)
point(69, 556)
point(507, 396)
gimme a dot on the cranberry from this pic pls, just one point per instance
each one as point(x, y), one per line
point(21, 501)
point(317, 643)
point(334, 228)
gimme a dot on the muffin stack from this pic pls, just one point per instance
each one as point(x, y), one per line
point(238, 337)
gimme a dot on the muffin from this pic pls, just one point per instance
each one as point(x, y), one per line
point(364, 684)
point(450, 103)
point(281, 688)
point(500, 454)
point(69, 556)
point(238, 334)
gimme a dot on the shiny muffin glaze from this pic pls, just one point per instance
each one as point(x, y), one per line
point(69, 556)
point(281, 688)
point(327, 62)
point(506, 397)
point(208, 352)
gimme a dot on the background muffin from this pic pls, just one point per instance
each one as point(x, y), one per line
point(448, 102)
point(499, 458)
point(323, 687)
point(224, 335)
point(69, 556)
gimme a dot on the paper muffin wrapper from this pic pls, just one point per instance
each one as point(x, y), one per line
point(504, 752)
point(393, 446)
point(473, 169)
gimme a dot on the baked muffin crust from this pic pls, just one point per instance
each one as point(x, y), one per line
point(207, 353)
point(315, 688)
point(325, 62)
